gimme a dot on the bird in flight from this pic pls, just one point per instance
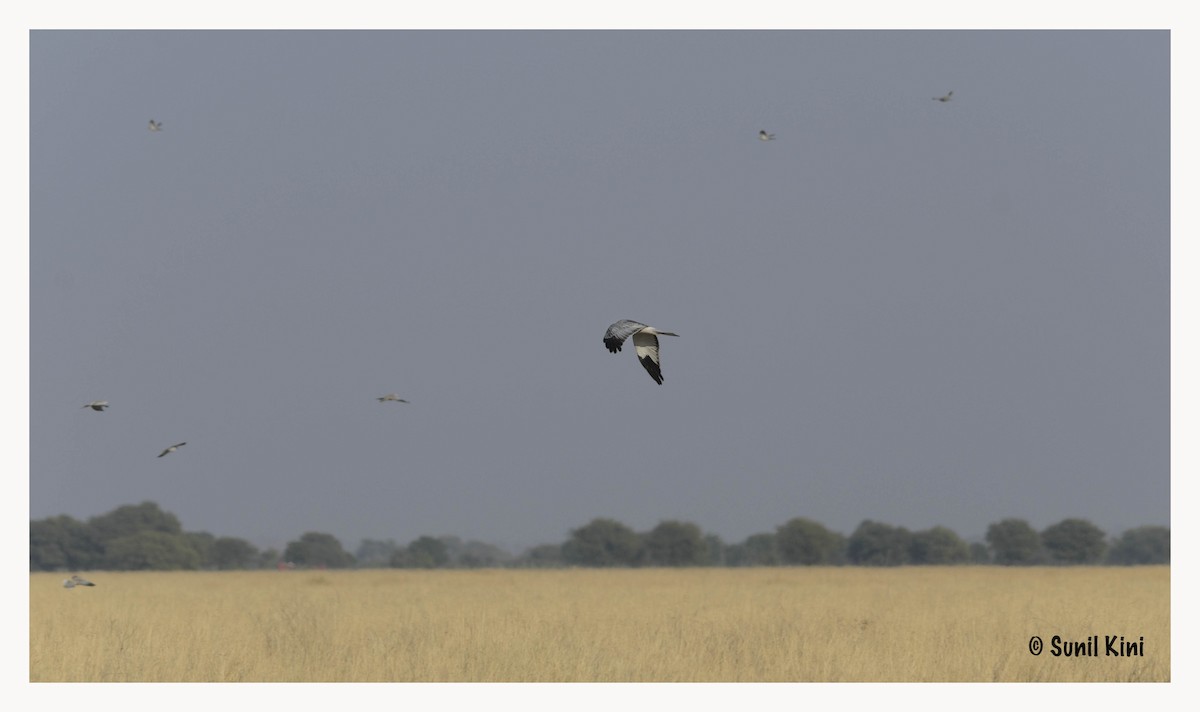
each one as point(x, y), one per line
point(944, 99)
point(97, 405)
point(76, 581)
point(391, 397)
point(764, 136)
point(155, 125)
point(645, 342)
point(171, 449)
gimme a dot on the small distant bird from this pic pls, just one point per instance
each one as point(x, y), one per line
point(155, 125)
point(76, 581)
point(391, 397)
point(764, 136)
point(171, 449)
point(97, 405)
point(645, 342)
point(944, 99)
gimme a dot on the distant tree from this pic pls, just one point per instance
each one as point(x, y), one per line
point(132, 519)
point(979, 553)
point(756, 550)
point(375, 553)
point(317, 549)
point(480, 554)
point(1013, 542)
point(808, 543)
point(269, 558)
point(1143, 545)
point(150, 550)
point(543, 556)
point(202, 542)
point(938, 546)
point(716, 550)
point(232, 553)
point(422, 553)
point(673, 543)
point(602, 542)
point(1074, 541)
point(63, 543)
point(878, 544)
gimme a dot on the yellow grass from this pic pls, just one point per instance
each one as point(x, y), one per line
point(714, 625)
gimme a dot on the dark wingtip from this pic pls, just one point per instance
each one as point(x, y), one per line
point(653, 369)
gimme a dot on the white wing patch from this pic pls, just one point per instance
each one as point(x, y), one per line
point(646, 346)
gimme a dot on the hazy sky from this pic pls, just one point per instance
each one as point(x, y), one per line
point(904, 310)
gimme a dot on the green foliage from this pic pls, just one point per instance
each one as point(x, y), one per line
point(938, 546)
point(374, 553)
point(1013, 542)
point(1074, 541)
point(132, 519)
point(602, 542)
point(233, 553)
point(202, 542)
point(479, 554)
point(543, 556)
point(317, 549)
point(269, 558)
point(878, 544)
point(808, 543)
point(422, 553)
point(979, 553)
point(143, 536)
point(63, 543)
point(716, 550)
point(1143, 545)
point(150, 550)
point(674, 543)
point(757, 550)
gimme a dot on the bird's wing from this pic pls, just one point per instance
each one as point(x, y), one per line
point(619, 331)
point(164, 452)
point(646, 346)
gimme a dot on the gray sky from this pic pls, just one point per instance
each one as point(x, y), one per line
point(916, 312)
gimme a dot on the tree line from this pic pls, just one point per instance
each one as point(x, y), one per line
point(144, 537)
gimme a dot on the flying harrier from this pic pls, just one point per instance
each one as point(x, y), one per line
point(391, 397)
point(171, 449)
point(97, 405)
point(944, 99)
point(155, 125)
point(76, 581)
point(645, 342)
point(764, 136)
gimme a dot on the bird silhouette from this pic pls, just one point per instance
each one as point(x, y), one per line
point(171, 449)
point(645, 342)
point(97, 405)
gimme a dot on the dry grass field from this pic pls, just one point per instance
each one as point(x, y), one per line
point(694, 625)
